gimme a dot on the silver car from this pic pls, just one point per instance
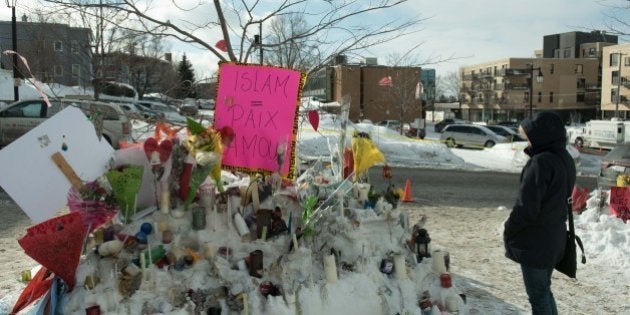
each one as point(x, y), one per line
point(22, 116)
point(470, 135)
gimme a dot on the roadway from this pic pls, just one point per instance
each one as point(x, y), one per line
point(459, 188)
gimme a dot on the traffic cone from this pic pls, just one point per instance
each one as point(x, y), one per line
point(406, 197)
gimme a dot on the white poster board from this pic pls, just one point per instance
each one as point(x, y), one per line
point(33, 180)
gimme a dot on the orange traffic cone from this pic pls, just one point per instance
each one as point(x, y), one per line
point(406, 197)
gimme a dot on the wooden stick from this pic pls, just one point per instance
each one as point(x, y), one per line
point(67, 170)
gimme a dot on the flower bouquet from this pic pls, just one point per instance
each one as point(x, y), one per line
point(94, 201)
point(204, 149)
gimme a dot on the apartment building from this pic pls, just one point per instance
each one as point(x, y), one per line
point(513, 88)
point(565, 76)
point(616, 81)
point(54, 52)
point(374, 92)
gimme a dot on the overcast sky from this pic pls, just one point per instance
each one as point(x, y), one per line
point(464, 33)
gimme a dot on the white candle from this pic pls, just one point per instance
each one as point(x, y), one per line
point(142, 265)
point(241, 226)
point(330, 269)
point(150, 254)
point(400, 267)
point(439, 266)
point(245, 305)
point(165, 201)
point(295, 242)
point(364, 189)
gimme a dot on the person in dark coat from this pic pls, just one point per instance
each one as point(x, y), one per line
point(535, 232)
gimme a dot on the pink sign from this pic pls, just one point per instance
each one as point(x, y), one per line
point(261, 104)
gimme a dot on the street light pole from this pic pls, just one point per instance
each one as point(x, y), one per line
point(539, 79)
point(16, 91)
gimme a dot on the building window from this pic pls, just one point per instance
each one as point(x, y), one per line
point(58, 45)
point(613, 95)
point(551, 97)
point(615, 77)
point(579, 69)
point(580, 97)
point(567, 53)
point(626, 61)
point(581, 83)
point(614, 60)
point(58, 70)
point(551, 68)
point(76, 69)
point(592, 52)
point(539, 97)
point(74, 47)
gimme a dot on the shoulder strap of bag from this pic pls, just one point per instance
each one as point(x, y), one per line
point(570, 212)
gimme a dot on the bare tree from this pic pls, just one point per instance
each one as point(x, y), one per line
point(289, 52)
point(617, 17)
point(333, 24)
point(448, 85)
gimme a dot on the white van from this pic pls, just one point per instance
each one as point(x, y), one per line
point(605, 134)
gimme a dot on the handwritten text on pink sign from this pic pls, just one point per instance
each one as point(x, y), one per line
point(260, 104)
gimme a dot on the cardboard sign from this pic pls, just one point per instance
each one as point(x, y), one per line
point(261, 104)
point(620, 202)
point(29, 173)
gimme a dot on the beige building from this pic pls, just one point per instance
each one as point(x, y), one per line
point(616, 81)
point(513, 88)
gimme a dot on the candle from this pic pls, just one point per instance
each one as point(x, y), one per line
point(143, 264)
point(330, 269)
point(295, 242)
point(439, 266)
point(241, 226)
point(165, 200)
point(400, 267)
point(245, 306)
point(263, 235)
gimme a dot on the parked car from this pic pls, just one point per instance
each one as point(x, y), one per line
point(189, 107)
point(391, 124)
point(459, 135)
point(205, 103)
point(448, 121)
point(162, 110)
point(22, 116)
point(507, 132)
point(614, 163)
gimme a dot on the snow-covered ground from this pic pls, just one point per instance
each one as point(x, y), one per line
point(606, 238)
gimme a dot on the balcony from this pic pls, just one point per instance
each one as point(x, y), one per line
point(517, 86)
point(593, 87)
point(517, 72)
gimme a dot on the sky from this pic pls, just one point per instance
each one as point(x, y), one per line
point(456, 34)
point(604, 236)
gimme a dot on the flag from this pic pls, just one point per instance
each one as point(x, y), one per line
point(221, 45)
point(365, 153)
point(385, 81)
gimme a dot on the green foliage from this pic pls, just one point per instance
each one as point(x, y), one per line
point(186, 76)
point(309, 207)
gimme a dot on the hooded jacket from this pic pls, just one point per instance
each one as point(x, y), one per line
point(535, 232)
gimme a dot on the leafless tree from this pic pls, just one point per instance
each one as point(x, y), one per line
point(448, 85)
point(617, 17)
point(293, 53)
point(332, 24)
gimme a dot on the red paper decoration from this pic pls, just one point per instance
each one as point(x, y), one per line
point(313, 118)
point(56, 244)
